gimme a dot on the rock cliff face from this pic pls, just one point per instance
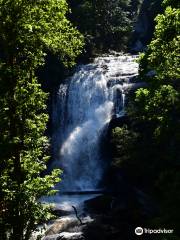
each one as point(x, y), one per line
point(144, 27)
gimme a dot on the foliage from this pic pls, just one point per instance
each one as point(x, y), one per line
point(158, 106)
point(123, 141)
point(105, 24)
point(27, 30)
point(42, 22)
point(172, 3)
point(155, 114)
point(164, 50)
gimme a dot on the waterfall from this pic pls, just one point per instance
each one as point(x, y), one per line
point(83, 107)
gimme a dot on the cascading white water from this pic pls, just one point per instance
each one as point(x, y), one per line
point(83, 108)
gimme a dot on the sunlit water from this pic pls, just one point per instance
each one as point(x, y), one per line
point(82, 111)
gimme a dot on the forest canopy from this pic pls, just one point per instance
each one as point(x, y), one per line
point(106, 25)
point(28, 29)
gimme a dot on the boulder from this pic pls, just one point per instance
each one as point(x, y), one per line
point(98, 205)
point(62, 224)
point(66, 236)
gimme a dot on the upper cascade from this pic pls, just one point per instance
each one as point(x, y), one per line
point(82, 109)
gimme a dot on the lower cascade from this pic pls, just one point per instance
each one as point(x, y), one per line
point(82, 110)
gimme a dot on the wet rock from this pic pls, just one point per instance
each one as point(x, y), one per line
point(100, 204)
point(51, 237)
point(61, 225)
point(71, 236)
point(60, 212)
point(118, 122)
point(67, 228)
point(65, 236)
point(138, 46)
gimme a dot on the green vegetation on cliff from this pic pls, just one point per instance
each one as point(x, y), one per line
point(151, 143)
